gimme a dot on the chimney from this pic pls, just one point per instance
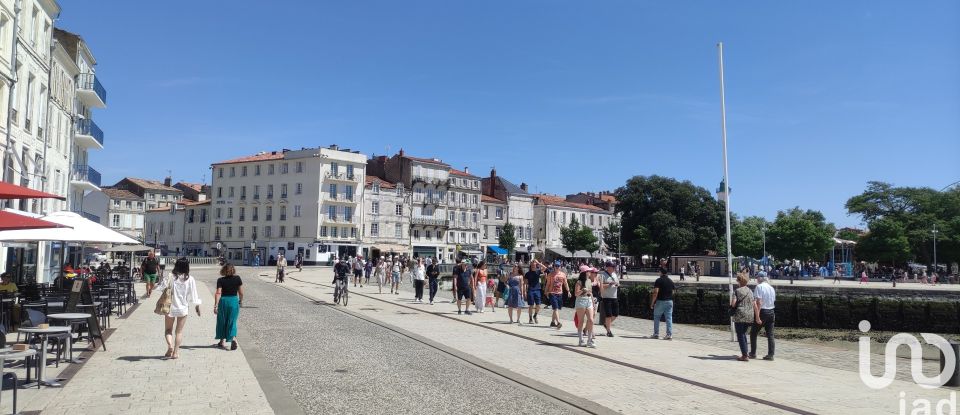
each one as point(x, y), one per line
point(167, 180)
point(466, 169)
point(334, 147)
point(401, 152)
point(523, 186)
point(493, 173)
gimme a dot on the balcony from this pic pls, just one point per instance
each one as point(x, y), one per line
point(429, 181)
point(269, 196)
point(342, 197)
point(90, 91)
point(341, 176)
point(341, 219)
point(430, 221)
point(89, 134)
point(85, 177)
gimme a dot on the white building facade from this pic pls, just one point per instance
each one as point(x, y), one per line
point(386, 228)
point(463, 214)
point(552, 213)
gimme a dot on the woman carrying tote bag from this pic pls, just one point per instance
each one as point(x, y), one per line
point(182, 295)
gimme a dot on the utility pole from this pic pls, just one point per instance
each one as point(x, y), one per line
point(726, 181)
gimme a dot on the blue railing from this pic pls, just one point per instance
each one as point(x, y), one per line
point(88, 127)
point(90, 81)
point(87, 174)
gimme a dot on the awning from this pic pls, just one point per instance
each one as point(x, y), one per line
point(78, 229)
point(566, 254)
point(498, 250)
point(12, 191)
point(12, 221)
point(128, 248)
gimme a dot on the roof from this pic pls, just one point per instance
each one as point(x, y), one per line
point(147, 184)
point(195, 186)
point(551, 200)
point(456, 172)
point(120, 194)
point(490, 199)
point(383, 183)
point(608, 198)
point(195, 203)
point(261, 156)
point(423, 160)
point(511, 188)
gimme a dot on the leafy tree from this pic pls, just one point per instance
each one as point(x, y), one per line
point(611, 236)
point(848, 234)
point(747, 236)
point(578, 238)
point(798, 234)
point(886, 241)
point(508, 237)
point(916, 210)
point(663, 216)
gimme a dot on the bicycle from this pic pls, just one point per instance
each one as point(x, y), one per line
point(341, 292)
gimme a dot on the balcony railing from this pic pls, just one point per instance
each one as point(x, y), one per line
point(341, 219)
point(269, 195)
point(84, 173)
point(89, 82)
point(269, 218)
point(341, 176)
point(342, 197)
point(429, 181)
point(87, 127)
point(429, 221)
point(255, 218)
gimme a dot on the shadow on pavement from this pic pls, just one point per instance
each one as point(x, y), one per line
point(715, 357)
point(141, 358)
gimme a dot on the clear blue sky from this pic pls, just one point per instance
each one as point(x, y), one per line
point(567, 96)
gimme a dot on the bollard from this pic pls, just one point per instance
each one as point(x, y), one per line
point(955, 379)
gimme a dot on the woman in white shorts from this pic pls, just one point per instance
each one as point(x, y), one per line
point(584, 304)
point(380, 272)
point(395, 285)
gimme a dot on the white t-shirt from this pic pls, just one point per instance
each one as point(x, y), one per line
point(183, 294)
point(419, 272)
point(766, 294)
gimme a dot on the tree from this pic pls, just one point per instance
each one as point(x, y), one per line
point(508, 238)
point(798, 234)
point(886, 241)
point(578, 238)
point(848, 234)
point(916, 210)
point(747, 236)
point(663, 216)
point(611, 237)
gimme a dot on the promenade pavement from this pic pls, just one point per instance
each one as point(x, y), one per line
point(821, 283)
point(628, 373)
point(132, 376)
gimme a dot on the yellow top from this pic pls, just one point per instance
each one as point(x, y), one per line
point(8, 288)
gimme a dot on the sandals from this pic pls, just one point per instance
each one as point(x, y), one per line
point(221, 346)
point(233, 345)
point(168, 354)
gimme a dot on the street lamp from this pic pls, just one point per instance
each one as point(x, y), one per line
point(935, 269)
point(726, 180)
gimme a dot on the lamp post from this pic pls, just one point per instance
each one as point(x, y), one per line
point(935, 269)
point(763, 230)
point(726, 180)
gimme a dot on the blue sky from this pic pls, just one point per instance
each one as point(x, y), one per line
point(567, 96)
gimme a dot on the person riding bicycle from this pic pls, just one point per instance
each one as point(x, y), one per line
point(340, 272)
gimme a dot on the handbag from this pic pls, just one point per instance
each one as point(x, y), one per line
point(733, 310)
point(163, 303)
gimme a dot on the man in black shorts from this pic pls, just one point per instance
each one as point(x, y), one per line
point(610, 282)
point(462, 287)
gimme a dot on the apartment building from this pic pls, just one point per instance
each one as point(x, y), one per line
point(463, 213)
point(505, 202)
point(118, 209)
point(552, 213)
point(180, 229)
point(193, 191)
point(387, 218)
point(155, 193)
point(289, 202)
point(428, 181)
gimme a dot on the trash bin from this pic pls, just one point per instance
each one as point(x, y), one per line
point(955, 379)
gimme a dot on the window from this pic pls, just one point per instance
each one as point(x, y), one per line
point(332, 212)
point(243, 172)
point(243, 192)
point(350, 171)
point(283, 213)
point(376, 188)
point(116, 221)
point(416, 234)
point(591, 220)
point(229, 213)
point(375, 208)
point(499, 213)
point(285, 168)
point(476, 199)
point(486, 212)
point(267, 231)
point(476, 218)
point(269, 213)
point(498, 230)
point(231, 191)
point(334, 232)
point(219, 192)
point(452, 216)
point(333, 191)
point(229, 231)
point(349, 192)
point(241, 232)
point(564, 217)
point(427, 235)
point(299, 167)
point(334, 169)
point(203, 215)
point(400, 190)
point(296, 211)
point(486, 234)
point(256, 213)
point(583, 218)
point(283, 191)
point(473, 238)
point(299, 188)
point(256, 191)
point(463, 217)
point(233, 171)
point(269, 191)
point(242, 213)
point(220, 172)
point(353, 233)
point(219, 213)
point(116, 203)
point(374, 229)
point(323, 231)
point(398, 230)
point(270, 169)
point(296, 231)
point(529, 232)
point(399, 210)
point(256, 170)
point(554, 216)
point(347, 213)
point(463, 237)
point(283, 231)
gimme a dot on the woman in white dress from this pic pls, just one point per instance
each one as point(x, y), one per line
point(183, 294)
point(380, 273)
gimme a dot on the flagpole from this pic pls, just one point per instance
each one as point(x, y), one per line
point(726, 181)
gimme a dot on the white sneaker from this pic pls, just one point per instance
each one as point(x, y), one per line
point(431, 303)
point(592, 345)
point(582, 343)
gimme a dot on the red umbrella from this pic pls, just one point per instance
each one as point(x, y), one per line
point(12, 191)
point(12, 221)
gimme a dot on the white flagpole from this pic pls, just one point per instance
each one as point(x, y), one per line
point(726, 181)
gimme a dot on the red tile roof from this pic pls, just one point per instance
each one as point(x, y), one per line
point(120, 194)
point(490, 199)
point(195, 186)
point(195, 203)
point(383, 183)
point(148, 184)
point(551, 200)
point(456, 172)
point(262, 156)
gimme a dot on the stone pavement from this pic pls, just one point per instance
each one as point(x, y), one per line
point(820, 283)
point(628, 373)
point(132, 377)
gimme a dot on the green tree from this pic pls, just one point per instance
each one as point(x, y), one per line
point(798, 234)
point(508, 237)
point(916, 210)
point(611, 236)
point(848, 235)
point(885, 242)
point(747, 236)
point(578, 238)
point(663, 216)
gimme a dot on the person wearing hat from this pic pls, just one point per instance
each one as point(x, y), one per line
point(584, 305)
point(610, 302)
point(661, 302)
point(765, 297)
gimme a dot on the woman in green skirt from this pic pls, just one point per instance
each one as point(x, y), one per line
point(227, 300)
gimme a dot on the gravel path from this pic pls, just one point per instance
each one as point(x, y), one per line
point(333, 363)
